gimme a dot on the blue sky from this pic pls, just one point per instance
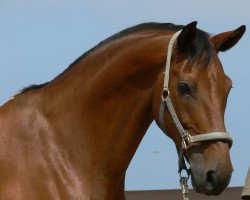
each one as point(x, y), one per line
point(40, 38)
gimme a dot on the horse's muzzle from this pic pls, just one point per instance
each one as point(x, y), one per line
point(211, 182)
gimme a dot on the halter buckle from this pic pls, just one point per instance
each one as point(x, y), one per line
point(186, 141)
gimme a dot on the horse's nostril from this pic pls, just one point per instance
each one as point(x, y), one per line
point(211, 180)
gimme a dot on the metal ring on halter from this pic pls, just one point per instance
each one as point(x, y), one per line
point(165, 93)
point(187, 174)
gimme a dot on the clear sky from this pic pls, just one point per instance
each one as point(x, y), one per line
point(40, 38)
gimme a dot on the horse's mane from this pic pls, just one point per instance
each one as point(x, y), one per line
point(201, 44)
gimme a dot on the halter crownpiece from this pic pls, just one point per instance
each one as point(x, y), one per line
point(187, 139)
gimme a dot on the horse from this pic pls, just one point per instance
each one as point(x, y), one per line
point(74, 136)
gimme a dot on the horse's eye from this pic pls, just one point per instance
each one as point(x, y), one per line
point(184, 89)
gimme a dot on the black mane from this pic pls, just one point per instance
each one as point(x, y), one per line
point(201, 44)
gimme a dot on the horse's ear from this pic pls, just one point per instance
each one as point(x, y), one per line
point(187, 35)
point(227, 40)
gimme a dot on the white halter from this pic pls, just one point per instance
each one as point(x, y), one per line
point(187, 139)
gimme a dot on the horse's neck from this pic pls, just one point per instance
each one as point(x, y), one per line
point(108, 105)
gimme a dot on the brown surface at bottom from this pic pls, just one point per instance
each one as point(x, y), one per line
point(233, 193)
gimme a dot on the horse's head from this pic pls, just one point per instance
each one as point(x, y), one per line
point(199, 89)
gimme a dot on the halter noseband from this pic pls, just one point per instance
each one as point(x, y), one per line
point(187, 139)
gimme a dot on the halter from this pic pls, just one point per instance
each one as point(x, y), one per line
point(187, 140)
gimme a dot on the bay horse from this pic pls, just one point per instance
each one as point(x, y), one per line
point(74, 137)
